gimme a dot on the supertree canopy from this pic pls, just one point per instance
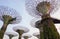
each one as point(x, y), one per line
point(6, 11)
point(38, 8)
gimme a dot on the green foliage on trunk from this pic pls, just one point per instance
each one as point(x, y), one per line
point(1, 34)
point(49, 30)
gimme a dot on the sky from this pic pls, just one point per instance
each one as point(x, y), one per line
point(19, 5)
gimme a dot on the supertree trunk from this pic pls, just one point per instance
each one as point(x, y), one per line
point(19, 37)
point(2, 31)
point(49, 30)
point(1, 34)
point(10, 37)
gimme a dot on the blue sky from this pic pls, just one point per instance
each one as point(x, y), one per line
point(19, 5)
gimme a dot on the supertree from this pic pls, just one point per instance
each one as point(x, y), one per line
point(8, 16)
point(11, 34)
point(37, 34)
point(43, 9)
point(26, 36)
point(20, 30)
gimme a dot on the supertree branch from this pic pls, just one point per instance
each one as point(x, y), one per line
point(56, 21)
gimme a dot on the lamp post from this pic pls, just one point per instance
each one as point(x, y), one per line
point(8, 16)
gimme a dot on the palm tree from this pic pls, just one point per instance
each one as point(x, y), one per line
point(11, 34)
point(20, 30)
point(8, 16)
point(43, 9)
